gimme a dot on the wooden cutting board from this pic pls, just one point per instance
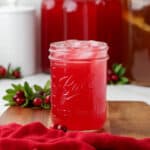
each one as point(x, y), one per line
point(125, 118)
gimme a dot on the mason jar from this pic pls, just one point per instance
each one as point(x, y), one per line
point(78, 74)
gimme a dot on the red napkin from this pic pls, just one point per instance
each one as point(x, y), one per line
point(37, 137)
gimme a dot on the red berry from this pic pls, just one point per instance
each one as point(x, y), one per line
point(2, 71)
point(47, 99)
point(15, 97)
point(114, 77)
point(20, 94)
point(20, 101)
point(37, 102)
point(59, 127)
point(16, 74)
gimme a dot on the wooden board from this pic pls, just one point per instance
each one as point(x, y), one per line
point(125, 118)
point(130, 119)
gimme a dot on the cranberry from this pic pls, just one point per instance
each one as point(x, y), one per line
point(63, 128)
point(59, 127)
point(47, 99)
point(16, 74)
point(20, 94)
point(20, 101)
point(2, 71)
point(114, 77)
point(37, 102)
point(15, 97)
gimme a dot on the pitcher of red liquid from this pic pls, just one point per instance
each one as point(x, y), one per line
point(83, 20)
point(78, 73)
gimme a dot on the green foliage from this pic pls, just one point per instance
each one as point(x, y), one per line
point(120, 71)
point(30, 93)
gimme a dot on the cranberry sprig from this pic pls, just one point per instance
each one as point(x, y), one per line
point(9, 72)
point(27, 96)
point(116, 75)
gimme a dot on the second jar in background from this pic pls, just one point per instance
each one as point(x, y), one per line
point(136, 19)
point(84, 20)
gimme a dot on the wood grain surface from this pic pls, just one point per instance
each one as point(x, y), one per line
point(125, 118)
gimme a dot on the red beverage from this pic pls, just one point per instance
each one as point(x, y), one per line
point(99, 20)
point(110, 28)
point(80, 19)
point(78, 72)
point(52, 27)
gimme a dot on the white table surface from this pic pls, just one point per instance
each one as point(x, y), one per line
point(123, 92)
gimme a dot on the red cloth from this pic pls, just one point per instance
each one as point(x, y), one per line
point(37, 137)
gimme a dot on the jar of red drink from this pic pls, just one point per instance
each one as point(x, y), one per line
point(83, 20)
point(78, 73)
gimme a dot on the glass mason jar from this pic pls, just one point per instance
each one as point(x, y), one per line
point(78, 73)
point(136, 21)
point(98, 20)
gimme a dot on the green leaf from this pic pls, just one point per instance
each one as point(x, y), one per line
point(26, 103)
point(18, 69)
point(28, 90)
point(8, 97)
point(11, 103)
point(10, 91)
point(17, 87)
point(47, 86)
point(114, 66)
point(38, 88)
point(122, 71)
point(124, 80)
point(45, 106)
point(117, 68)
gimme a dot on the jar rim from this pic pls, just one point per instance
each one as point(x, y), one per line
point(63, 46)
point(78, 50)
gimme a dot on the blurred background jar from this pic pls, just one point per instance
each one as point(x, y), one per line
point(136, 23)
point(18, 37)
point(99, 20)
